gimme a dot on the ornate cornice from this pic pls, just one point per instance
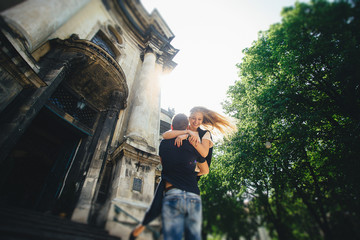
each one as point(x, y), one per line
point(127, 150)
point(149, 32)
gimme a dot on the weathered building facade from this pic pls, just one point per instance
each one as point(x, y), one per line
point(80, 108)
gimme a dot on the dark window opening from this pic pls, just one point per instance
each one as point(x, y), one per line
point(164, 126)
point(99, 40)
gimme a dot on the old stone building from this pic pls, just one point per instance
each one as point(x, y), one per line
point(80, 109)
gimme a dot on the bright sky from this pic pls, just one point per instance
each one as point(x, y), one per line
point(210, 35)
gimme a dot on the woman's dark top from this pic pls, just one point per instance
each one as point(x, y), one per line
point(209, 156)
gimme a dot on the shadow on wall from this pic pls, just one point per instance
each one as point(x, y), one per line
point(5, 4)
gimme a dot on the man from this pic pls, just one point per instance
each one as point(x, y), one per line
point(181, 208)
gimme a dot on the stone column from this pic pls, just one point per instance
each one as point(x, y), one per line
point(143, 128)
point(35, 20)
point(89, 191)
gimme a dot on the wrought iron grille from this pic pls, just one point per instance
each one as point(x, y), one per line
point(76, 107)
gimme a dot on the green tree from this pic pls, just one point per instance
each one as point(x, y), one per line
point(299, 89)
point(225, 213)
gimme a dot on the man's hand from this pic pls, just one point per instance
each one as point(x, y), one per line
point(194, 138)
point(179, 139)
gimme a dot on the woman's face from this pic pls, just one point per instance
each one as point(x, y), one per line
point(195, 120)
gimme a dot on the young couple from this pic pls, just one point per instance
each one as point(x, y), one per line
point(177, 196)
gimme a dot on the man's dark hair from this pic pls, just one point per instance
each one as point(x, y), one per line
point(180, 122)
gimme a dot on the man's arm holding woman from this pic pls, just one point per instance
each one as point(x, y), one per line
point(181, 135)
point(201, 146)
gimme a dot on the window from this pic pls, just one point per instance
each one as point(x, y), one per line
point(164, 126)
point(102, 41)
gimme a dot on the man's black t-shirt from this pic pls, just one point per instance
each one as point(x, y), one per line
point(179, 165)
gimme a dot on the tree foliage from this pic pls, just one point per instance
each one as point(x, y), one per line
point(298, 89)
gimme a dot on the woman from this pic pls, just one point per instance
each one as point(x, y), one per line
point(199, 116)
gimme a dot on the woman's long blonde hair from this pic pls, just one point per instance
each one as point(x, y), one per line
point(215, 121)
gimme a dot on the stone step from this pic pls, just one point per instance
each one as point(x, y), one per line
point(24, 224)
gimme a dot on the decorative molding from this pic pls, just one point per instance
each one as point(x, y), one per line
point(150, 33)
point(127, 150)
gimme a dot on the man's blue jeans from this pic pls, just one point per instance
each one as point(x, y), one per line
point(181, 215)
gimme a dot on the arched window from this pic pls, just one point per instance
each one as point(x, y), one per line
point(102, 41)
